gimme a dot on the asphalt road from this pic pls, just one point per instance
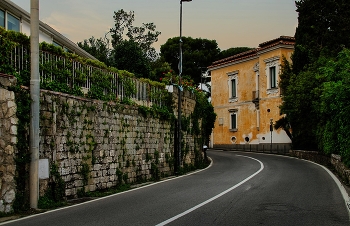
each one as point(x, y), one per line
point(238, 189)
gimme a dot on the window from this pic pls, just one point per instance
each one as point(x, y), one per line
point(2, 18)
point(57, 44)
point(233, 121)
point(273, 77)
point(272, 68)
point(233, 88)
point(12, 23)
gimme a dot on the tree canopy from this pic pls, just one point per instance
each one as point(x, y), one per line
point(131, 46)
point(98, 48)
point(198, 53)
point(231, 52)
point(145, 35)
point(129, 56)
point(322, 27)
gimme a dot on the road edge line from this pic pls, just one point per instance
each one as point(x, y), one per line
point(108, 196)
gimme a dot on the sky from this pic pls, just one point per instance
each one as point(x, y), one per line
point(232, 23)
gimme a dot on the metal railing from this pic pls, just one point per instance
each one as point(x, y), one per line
point(274, 148)
point(80, 74)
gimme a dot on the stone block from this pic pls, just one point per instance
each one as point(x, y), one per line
point(10, 112)
point(11, 169)
point(96, 180)
point(92, 187)
point(9, 196)
point(13, 140)
point(9, 150)
point(69, 192)
point(109, 184)
point(2, 143)
point(2, 206)
point(78, 183)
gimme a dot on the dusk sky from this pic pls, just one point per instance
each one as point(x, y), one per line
point(232, 23)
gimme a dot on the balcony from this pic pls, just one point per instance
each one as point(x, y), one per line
point(256, 98)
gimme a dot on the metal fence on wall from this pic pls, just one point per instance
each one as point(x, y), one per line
point(20, 61)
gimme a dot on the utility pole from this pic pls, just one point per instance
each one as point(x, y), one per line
point(34, 108)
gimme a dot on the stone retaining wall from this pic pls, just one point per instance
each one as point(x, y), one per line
point(90, 144)
point(8, 138)
point(97, 145)
point(333, 162)
point(340, 168)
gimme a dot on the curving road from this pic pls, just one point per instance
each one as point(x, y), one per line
point(238, 189)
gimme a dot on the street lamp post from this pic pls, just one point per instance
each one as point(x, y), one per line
point(178, 157)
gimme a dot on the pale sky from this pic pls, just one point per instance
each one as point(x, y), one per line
point(232, 23)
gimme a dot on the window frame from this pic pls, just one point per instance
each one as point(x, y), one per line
point(8, 16)
point(273, 78)
point(272, 62)
point(232, 86)
point(233, 89)
point(233, 127)
point(4, 18)
point(233, 123)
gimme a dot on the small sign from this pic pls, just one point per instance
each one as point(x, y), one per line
point(43, 168)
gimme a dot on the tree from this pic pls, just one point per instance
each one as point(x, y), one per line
point(322, 27)
point(197, 54)
point(122, 20)
point(321, 34)
point(334, 106)
point(159, 69)
point(98, 48)
point(129, 56)
point(299, 98)
point(145, 35)
point(232, 51)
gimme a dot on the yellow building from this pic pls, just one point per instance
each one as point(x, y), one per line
point(246, 98)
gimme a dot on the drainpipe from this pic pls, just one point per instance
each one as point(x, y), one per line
point(34, 108)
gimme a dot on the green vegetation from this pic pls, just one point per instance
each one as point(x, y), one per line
point(316, 85)
point(55, 194)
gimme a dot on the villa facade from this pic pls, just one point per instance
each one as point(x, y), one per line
point(246, 97)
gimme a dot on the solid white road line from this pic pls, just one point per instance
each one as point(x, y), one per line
point(339, 184)
point(215, 197)
point(106, 197)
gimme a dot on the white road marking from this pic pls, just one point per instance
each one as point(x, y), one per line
point(215, 197)
point(106, 197)
point(339, 184)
